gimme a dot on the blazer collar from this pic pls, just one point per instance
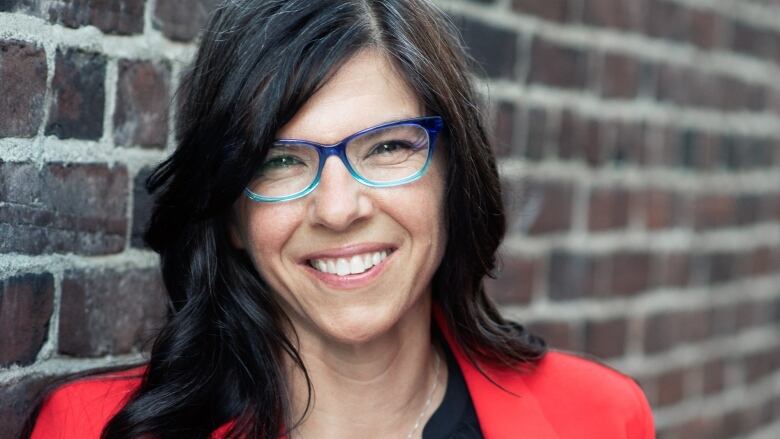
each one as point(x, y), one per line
point(500, 413)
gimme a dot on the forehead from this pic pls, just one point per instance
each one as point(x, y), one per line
point(365, 91)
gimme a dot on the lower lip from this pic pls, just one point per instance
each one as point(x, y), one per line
point(351, 281)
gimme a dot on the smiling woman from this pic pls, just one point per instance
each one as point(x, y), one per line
point(324, 227)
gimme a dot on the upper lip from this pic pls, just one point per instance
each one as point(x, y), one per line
point(348, 251)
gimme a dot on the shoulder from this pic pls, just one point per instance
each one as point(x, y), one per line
point(80, 409)
point(572, 387)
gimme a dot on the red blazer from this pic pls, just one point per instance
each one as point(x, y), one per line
point(565, 396)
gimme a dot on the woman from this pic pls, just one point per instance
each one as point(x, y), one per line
point(324, 228)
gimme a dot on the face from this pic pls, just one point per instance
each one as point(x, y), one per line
point(398, 228)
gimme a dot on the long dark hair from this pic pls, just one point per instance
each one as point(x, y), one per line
point(219, 356)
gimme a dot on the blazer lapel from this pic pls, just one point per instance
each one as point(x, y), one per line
point(502, 415)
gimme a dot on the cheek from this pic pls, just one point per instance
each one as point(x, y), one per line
point(267, 231)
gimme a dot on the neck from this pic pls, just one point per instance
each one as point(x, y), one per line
point(377, 388)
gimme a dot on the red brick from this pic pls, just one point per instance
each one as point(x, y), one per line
point(661, 146)
point(26, 303)
point(109, 311)
point(629, 143)
point(515, 281)
point(17, 401)
point(631, 273)
point(763, 260)
point(662, 332)
point(554, 10)
point(661, 209)
point(707, 28)
point(619, 76)
point(761, 364)
point(557, 334)
point(182, 20)
point(574, 275)
point(670, 388)
point(76, 109)
point(608, 209)
point(22, 88)
point(723, 320)
point(713, 211)
point(623, 14)
point(606, 339)
point(122, 17)
point(494, 49)
point(504, 124)
point(754, 314)
point(674, 269)
point(558, 66)
point(60, 208)
point(699, 427)
point(143, 93)
point(582, 139)
point(538, 207)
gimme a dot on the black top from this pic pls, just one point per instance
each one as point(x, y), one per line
point(455, 418)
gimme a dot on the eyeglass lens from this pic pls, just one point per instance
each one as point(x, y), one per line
point(381, 156)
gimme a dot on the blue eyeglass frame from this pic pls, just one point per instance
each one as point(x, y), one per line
point(432, 125)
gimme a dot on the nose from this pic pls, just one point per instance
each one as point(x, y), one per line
point(339, 200)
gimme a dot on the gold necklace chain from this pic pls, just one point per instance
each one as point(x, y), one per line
point(430, 396)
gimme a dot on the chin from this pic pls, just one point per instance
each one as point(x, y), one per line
point(360, 325)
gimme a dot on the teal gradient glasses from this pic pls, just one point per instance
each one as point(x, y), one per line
point(385, 155)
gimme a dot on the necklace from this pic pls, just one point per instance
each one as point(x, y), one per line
point(430, 397)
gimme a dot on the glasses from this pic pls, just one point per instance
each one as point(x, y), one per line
point(386, 155)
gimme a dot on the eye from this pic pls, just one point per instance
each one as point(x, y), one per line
point(389, 147)
point(280, 162)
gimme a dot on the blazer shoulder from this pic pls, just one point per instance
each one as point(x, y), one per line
point(571, 385)
point(80, 409)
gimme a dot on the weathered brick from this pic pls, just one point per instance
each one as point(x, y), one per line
point(17, 402)
point(713, 210)
point(753, 41)
point(754, 314)
point(662, 331)
point(22, 88)
point(607, 338)
point(748, 209)
point(60, 208)
point(619, 76)
point(515, 281)
point(538, 207)
point(26, 303)
point(122, 17)
point(763, 260)
point(623, 14)
point(558, 334)
point(109, 311)
point(631, 272)
point(558, 66)
point(554, 10)
point(537, 134)
point(666, 20)
point(574, 275)
point(760, 364)
point(724, 319)
point(674, 270)
point(713, 376)
point(143, 93)
point(723, 266)
point(494, 49)
point(182, 20)
point(701, 426)
point(608, 209)
point(78, 87)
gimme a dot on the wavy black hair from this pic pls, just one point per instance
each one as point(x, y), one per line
point(219, 356)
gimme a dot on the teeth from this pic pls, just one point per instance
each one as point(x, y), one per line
point(355, 265)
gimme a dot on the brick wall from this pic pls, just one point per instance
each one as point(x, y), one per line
point(639, 141)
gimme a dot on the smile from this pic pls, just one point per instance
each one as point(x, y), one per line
point(355, 264)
